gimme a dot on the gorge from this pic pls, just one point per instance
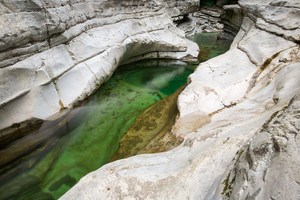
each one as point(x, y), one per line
point(64, 150)
point(238, 116)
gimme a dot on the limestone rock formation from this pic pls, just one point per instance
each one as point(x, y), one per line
point(249, 93)
point(54, 54)
point(232, 18)
point(227, 21)
point(219, 3)
point(267, 167)
point(204, 20)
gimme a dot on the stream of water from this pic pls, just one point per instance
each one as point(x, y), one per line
point(49, 160)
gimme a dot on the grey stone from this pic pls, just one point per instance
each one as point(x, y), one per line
point(52, 43)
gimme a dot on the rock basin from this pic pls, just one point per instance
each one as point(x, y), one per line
point(58, 153)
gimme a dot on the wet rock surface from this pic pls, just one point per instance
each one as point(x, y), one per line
point(243, 106)
point(49, 160)
point(50, 51)
point(151, 132)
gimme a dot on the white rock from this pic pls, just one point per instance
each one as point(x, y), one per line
point(293, 35)
point(290, 3)
point(75, 84)
point(92, 51)
point(196, 167)
point(260, 45)
point(216, 84)
point(247, 24)
point(228, 101)
point(278, 15)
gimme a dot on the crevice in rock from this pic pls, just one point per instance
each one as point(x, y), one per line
point(53, 80)
point(282, 27)
point(232, 104)
point(261, 68)
point(283, 4)
point(48, 39)
point(268, 61)
point(260, 153)
point(266, 124)
point(248, 55)
point(13, 55)
point(60, 103)
point(210, 67)
point(98, 53)
point(252, 83)
point(15, 96)
point(282, 35)
point(92, 72)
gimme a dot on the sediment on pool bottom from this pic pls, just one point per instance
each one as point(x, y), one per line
point(151, 132)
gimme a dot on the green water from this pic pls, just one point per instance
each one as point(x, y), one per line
point(210, 45)
point(88, 136)
point(49, 160)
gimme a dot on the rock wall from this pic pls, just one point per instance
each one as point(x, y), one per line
point(203, 20)
point(219, 3)
point(55, 53)
point(267, 167)
point(226, 20)
point(249, 93)
point(232, 18)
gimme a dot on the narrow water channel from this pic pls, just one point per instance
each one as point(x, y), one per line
point(49, 160)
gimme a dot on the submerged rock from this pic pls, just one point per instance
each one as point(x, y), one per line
point(151, 132)
point(55, 54)
point(250, 92)
point(238, 115)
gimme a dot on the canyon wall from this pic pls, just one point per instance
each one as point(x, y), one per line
point(239, 117)
point(53, 54)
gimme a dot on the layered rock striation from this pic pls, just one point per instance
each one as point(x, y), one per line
point(203, 20)
point(54, 54)
point(267, 167)
point(239, 120)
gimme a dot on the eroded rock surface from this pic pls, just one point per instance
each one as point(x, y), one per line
point(203, 20)
point(54, 54)
point(252, 91)
point(267, 167)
